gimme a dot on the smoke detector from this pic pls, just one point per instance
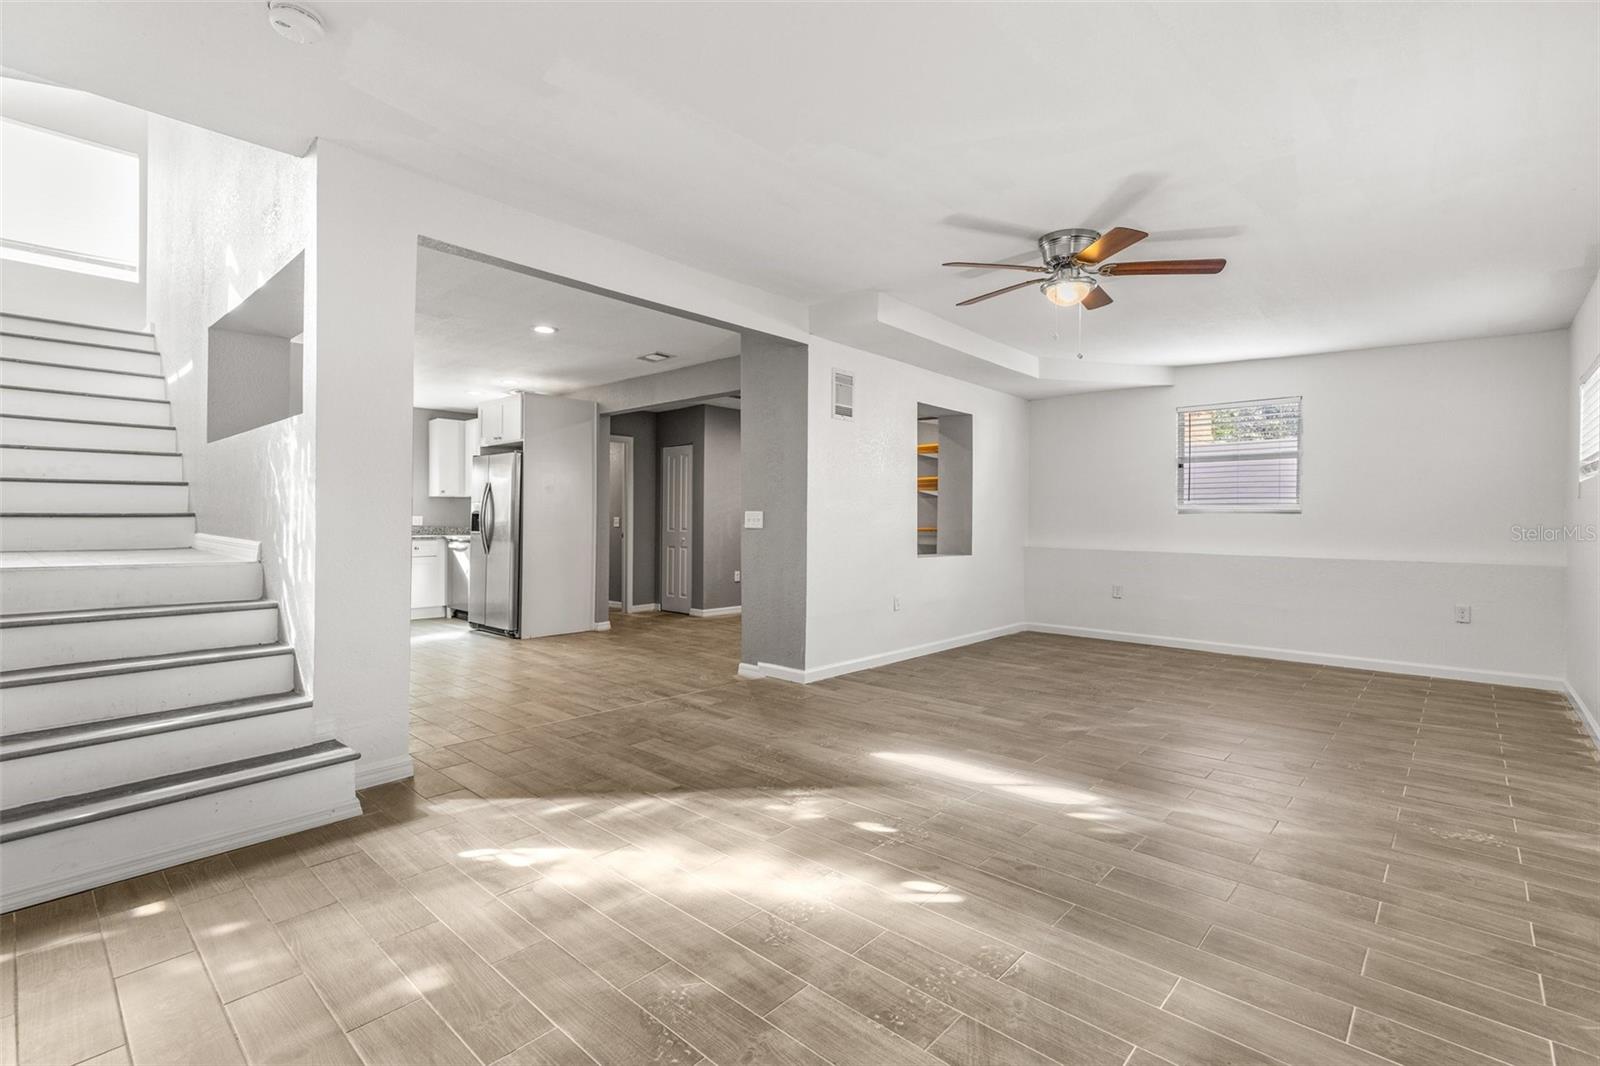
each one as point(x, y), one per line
point(293, 22)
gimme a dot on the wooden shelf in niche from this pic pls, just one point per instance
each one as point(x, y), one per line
point(931, 448)
point(928, 483)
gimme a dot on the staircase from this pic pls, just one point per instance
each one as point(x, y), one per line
point(148, 709)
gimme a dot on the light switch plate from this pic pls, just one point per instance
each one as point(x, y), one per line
point(416, 520)
point(755, 519)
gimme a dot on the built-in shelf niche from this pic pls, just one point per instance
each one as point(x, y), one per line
point(944, 481)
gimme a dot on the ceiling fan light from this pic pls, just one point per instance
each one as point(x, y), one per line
point(1068, 292)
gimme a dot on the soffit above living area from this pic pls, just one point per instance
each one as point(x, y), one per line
point(1375, 174)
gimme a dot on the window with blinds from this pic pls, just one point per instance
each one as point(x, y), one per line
point(1240, 456)
point(1589, 425)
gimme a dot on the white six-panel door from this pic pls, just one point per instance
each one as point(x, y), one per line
point(677, 526)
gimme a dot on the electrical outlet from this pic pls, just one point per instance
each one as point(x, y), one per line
point(897, 603)
point(737, 577)
point(1116, 592)
point(1463, 614)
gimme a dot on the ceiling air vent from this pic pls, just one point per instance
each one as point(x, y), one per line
point(844, 395)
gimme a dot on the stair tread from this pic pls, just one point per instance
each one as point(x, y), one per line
point(84, 344)
point(68, 811)
point(96, 514)
point(114, 614)
point(87, 481)
point(84, 734)
point(80, 422)
point(79, 392)
point(91, 557)
point(43, 675)
point(96, 451)
point(79, 366)
point(77, 325)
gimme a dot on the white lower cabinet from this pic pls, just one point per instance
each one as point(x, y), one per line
point(429, 577)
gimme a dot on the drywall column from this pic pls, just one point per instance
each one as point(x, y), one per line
point(773, 383)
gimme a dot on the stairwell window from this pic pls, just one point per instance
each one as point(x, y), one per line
point(68, 203)
point(1242, 456)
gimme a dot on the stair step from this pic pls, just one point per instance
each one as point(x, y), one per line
point(89, 356)
point(81, 332)
point(59, 403)
point(38, 582)
point(54, 696)
point(21, 531)
point(78, 842)
point(95, 755)
point(57, 638)
point(34, 432)
point(89, 464)
point(82, 496)
point(128, 384)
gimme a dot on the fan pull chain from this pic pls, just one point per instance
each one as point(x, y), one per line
point(1080, 330)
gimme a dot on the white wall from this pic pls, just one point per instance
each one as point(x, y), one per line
point(225, 216)
point(862, 518)
point(1583, 518)
point(46, 292)
point(1417, 463)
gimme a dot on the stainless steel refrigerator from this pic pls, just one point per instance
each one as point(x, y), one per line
point(494, 601)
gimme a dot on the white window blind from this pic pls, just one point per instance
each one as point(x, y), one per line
point(67, 203)
point(1589, 425)
point(1240, 456)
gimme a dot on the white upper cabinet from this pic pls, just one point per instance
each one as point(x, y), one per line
point(449, 468)
point(469, 452)
point(500, 421)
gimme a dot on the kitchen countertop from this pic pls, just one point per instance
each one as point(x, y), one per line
point(432, 532)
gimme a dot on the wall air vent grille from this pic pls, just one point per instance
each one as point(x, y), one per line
point(844, 395)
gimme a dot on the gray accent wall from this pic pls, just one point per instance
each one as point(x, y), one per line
point(719, 490)
point(774, 397)
point(445, 511)
point(641, 427)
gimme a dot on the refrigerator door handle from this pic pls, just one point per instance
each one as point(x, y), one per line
point(487, 521)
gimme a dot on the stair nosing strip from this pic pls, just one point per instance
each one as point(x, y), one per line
point(81, 422)
point(89, 395)
point(86, 369)
point(94, 451)
point(81, 344)
point(145, 795)
point(79, 325)
point(121, 614)
point(86, 481)
point(94, 514)
point(143, 664)
point(109, 731)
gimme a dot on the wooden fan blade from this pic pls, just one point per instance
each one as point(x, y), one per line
point(998, 292)
point(1166, 266)
point(1098, 297)
point(1110, 243)
point(1001, 266)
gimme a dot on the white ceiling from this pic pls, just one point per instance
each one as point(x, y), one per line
point(475, 335)
point(1375, 173)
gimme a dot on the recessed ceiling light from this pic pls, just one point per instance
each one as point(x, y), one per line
point(655, 357)
point(545, 330)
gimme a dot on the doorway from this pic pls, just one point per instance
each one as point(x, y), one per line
point(677, 528)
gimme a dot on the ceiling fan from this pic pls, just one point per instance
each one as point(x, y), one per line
point(1075, 261)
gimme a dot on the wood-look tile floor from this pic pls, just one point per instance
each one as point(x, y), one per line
point(1034, 850)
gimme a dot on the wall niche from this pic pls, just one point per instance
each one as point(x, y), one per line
point(944, 481)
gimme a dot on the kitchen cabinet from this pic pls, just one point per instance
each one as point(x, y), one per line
point(469, 434)
point(449, 469)
point(429, 577)
point(500, 421)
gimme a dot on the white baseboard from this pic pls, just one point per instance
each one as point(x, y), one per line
point(603, 627)
point(868, 662)
point(1391, 666)
point(370, 773)
point(714, 612)
point(615, 605)
point(750, 672)
point(429, 612)
point(248, 551)
point(1585, 712)
point(644, 608)
point(757, 671)
point(187, 851)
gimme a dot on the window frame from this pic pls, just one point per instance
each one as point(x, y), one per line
point(1588, 389)
point(1298, 507)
